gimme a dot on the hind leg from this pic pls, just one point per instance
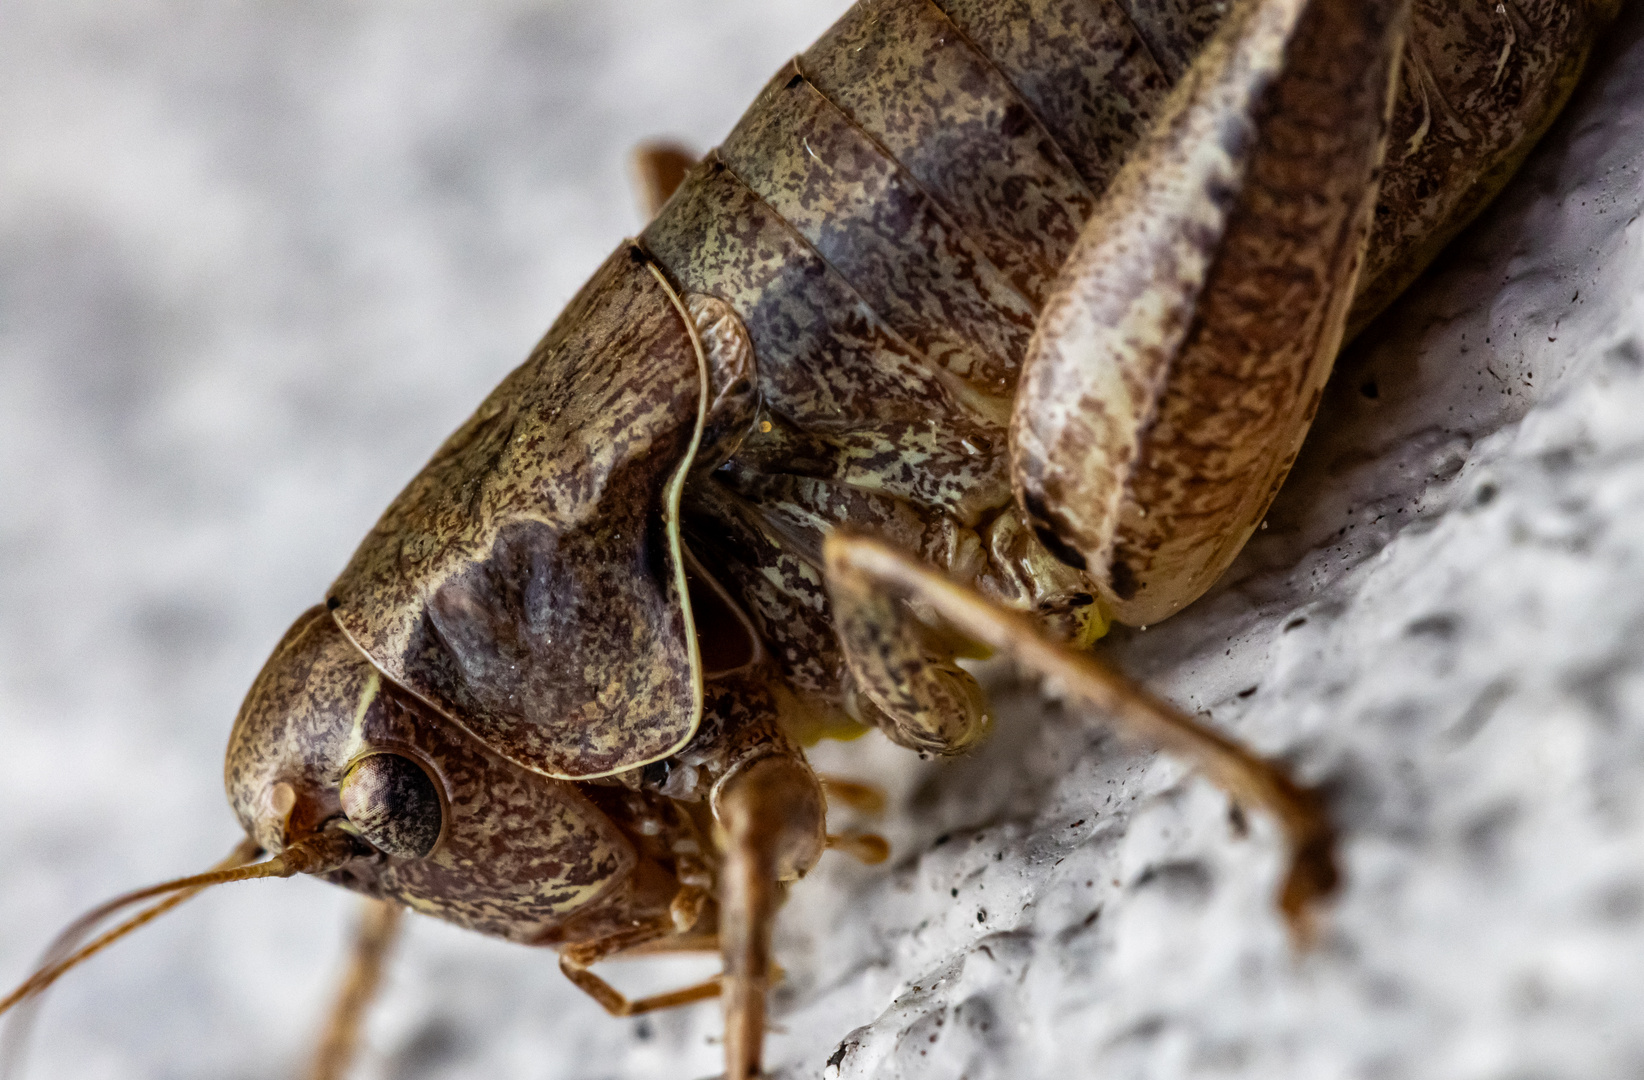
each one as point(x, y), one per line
point(1180, 358)
point(889, 608)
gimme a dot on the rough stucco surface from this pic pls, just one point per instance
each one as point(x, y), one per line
point(254, 263)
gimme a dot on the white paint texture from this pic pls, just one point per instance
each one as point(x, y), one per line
point(255, 262)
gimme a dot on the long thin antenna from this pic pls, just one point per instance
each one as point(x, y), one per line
point(315, 854)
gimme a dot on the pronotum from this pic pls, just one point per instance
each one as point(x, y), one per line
point(1118, 589)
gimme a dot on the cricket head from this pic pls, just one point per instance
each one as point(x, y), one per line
point(325, 744)
point(525, 616)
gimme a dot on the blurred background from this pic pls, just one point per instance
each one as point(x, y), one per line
point(257, 260)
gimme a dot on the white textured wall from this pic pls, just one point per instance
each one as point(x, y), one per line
point(255, 261)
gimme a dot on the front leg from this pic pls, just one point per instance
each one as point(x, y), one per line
point(1182, 354)
point(868, 579)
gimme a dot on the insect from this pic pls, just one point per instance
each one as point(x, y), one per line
point(854, 568)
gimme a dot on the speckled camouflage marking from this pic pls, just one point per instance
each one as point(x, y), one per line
point(825, 357)
point(779, 586)
point(840, 336)
point(1480, 82)
point(733, 380)
point(1175, 373)
point(527, 582)
point(906, 669)
point(1153, 429)
point(960, 469)
point(869, 220)
point(1175, 30)
point(1083, 66)
point(977, 133)
point(904, 73)
point(518, 851)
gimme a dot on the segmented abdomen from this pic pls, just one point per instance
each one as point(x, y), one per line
point(890, 214)
point(887, 220)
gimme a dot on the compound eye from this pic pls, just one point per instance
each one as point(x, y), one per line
point(392, 802)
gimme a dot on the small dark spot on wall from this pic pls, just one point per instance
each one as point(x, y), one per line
point(1621, 903)
point(1626, 354)
point(1484, 837)
point(1442, 627)
point(1561, 460)
point(1247, 691)
point(1186, 879)
point(1295, 624)
point(436, 1044)
point(1480, 711)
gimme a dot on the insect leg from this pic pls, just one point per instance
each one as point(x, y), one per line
point(657, 169)
point(771, 812)
point(1183, 351)
point(866, 576)
point(867, 798)
point(648, 940)
point(379, 923)
point(870, 849)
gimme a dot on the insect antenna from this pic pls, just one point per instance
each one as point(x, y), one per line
point(316, 854)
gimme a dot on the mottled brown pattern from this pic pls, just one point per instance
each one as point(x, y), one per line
point(733, 380)
point(825, 358)
point(1175, 30)
point(802, 510)
point(780, 587)
point(527, 582)
point(906, 75)
point(1481, 81)
point(871, 222)
point(906, 669)
point(859, 266)
point(1082, 67)
point(518, 852)
point(1176, 374)
point(1244, 385)
point(393, 803)
point(743, 719)
point(956, 469)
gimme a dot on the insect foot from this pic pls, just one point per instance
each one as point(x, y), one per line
point(867, 577)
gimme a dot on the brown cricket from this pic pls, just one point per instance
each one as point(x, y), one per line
point(991, 322)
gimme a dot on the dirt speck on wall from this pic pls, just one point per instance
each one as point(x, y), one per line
point(256, 261)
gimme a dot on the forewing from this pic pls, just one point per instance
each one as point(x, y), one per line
point(528, 582)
